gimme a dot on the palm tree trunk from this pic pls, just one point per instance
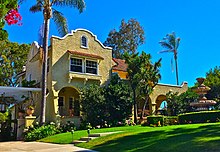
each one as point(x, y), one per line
point(177, 79)
point(44, 69)
point(143, 109)
point(135, 106)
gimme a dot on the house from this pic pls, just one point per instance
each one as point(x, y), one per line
point(75, 60)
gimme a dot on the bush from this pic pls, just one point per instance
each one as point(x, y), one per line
point(68, 127)
point(37, 133)
point(199, 117)
point(155, 120)
point(170, 120)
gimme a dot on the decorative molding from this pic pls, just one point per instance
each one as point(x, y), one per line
point(85, 30)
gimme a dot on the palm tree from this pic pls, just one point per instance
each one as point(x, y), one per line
point(171, 44)
point(46, 7)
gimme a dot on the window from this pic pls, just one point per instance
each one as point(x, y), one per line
point(91, 67)
point(84, 42)
point(71, 104)
point(60, 101)
point(76, 65)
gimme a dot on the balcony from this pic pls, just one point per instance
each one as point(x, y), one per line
point(84, 76)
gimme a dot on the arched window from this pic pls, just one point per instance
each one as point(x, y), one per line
point(84, 42)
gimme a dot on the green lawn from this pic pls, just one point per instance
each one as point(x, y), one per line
point(180, 138)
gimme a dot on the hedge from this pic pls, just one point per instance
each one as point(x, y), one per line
point(155, 120)
point(170, 120)
point(199, 117)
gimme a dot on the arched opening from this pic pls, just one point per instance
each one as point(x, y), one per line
point(161, 105)
point(68, 102)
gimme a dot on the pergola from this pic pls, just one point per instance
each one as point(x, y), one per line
point(15, 93)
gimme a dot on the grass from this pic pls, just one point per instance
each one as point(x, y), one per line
point(180, 138)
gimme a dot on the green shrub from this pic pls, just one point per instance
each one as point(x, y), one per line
point(155, 120)
point(170, 120)
point(199, 117)
point(68, 127)
point(34, 134)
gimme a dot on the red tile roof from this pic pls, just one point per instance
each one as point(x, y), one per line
point(85, 54)
point(121, 65)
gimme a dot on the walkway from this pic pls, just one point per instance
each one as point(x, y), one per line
point(19, 146)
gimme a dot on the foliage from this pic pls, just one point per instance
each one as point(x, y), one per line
point(94, 105)
point(37, 133)
point(26, 83)
point(6, 133)
point(119, 100)
point(8, 13)
point(177, 104)
point(3, 117)
point(13, 57)
point(68, 127)
point(48, 10)
point(106, 106)
point(171, 44)
point(170, 120)
point(127, 39)
point(199, 117)
point(155, 120)
point(213, 81)
point(143, 75)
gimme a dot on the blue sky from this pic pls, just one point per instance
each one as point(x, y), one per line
point(196, 22)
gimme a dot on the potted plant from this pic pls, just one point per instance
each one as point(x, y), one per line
point(30, 110)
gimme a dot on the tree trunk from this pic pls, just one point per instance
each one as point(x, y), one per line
point(145, 103)
point(44, 69)
point(177, 79)
point(135, 106)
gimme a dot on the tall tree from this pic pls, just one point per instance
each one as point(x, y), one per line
point(12, 59)
point(171, 44)
point(48, 10)
point(151, 78)
point(213, 81)
point(127, 39)
point(141, 75)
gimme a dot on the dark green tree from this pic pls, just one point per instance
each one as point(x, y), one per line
point(47, 7)
point(213, 81)
point(118, 99)
point(171, 44)
point(178, 104)
point(127, 39)
point(13, 57)
point(140, 75)
point(94, 105)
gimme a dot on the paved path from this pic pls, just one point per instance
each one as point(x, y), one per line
point(19, 146)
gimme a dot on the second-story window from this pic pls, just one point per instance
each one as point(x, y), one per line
point(84, 42)
point(91, 67)
point(76, 65)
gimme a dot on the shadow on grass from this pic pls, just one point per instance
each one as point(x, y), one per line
point(202, 139)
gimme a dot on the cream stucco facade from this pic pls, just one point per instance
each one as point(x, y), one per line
point(75, 60)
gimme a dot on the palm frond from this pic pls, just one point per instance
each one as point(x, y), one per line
point(60, 22)
point(79, 4)
point(166, 45)
point(165, 51)
point(36, 8)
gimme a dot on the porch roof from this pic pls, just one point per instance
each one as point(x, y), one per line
point(17, 92)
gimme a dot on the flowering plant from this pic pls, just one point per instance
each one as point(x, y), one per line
point(13, 17)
